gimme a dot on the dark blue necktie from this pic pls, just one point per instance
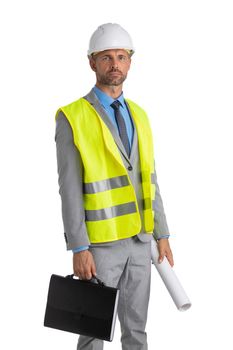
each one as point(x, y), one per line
point(121, 125)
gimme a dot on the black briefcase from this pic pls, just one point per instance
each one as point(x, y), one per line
point(81, 307)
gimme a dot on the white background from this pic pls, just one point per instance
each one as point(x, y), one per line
point(182, 75)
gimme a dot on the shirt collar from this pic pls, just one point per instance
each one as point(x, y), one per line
point(107, 100)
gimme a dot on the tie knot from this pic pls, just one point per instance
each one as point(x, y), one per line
point(116, 105)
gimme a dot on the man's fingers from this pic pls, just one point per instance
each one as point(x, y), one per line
point(170, 258)
point(88, 276)
point(161, 257)
point(165, 250)
point(93, 270)
point(83, 274)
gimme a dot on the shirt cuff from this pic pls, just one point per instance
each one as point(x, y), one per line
point(163, 236)
point(80, 249)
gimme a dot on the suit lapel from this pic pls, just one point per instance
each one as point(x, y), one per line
point(93, 100)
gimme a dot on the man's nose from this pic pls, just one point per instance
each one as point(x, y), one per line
point(114, 62)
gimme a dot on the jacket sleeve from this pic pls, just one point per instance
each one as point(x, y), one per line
point(70, 180)
point(160, 222)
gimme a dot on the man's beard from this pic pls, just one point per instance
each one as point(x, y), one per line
point(111, 80)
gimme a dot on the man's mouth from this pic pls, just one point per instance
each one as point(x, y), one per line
point(115, 73)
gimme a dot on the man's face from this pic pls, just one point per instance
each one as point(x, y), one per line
point(111, 66)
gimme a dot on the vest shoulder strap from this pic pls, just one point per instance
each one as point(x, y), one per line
point(73, 107)
point(136, 107)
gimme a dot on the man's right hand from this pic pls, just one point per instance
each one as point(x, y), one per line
point(84, 265)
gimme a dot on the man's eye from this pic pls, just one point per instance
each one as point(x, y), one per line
point(122, 58)
point(105, 58)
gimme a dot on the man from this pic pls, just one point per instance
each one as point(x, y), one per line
point(111, 204)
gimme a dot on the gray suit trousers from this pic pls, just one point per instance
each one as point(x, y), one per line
point(125, 264)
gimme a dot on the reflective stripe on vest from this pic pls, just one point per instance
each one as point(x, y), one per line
point(110, 202)
point(108, 213)
point(104, 185)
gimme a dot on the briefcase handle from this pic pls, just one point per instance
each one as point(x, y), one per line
point(101, 283)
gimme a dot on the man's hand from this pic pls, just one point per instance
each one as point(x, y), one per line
point(84, 265)
point(165, 250)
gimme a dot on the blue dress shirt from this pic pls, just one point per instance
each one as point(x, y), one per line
point(106, 102)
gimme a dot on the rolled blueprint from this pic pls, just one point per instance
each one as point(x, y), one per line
point(170, 280)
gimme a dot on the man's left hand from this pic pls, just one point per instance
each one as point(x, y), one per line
point(165, 250)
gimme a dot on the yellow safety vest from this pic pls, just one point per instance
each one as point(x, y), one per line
point(110, 203)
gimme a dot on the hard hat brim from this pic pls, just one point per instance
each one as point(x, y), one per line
point(93, 52)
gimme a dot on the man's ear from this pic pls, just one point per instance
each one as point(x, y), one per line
point(92, 63)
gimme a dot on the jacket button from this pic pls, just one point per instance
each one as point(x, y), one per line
point(130, 167)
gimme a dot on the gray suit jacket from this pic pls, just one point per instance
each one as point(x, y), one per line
point(70, 179)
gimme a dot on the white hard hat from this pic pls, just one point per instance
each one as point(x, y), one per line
point(110, 36)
